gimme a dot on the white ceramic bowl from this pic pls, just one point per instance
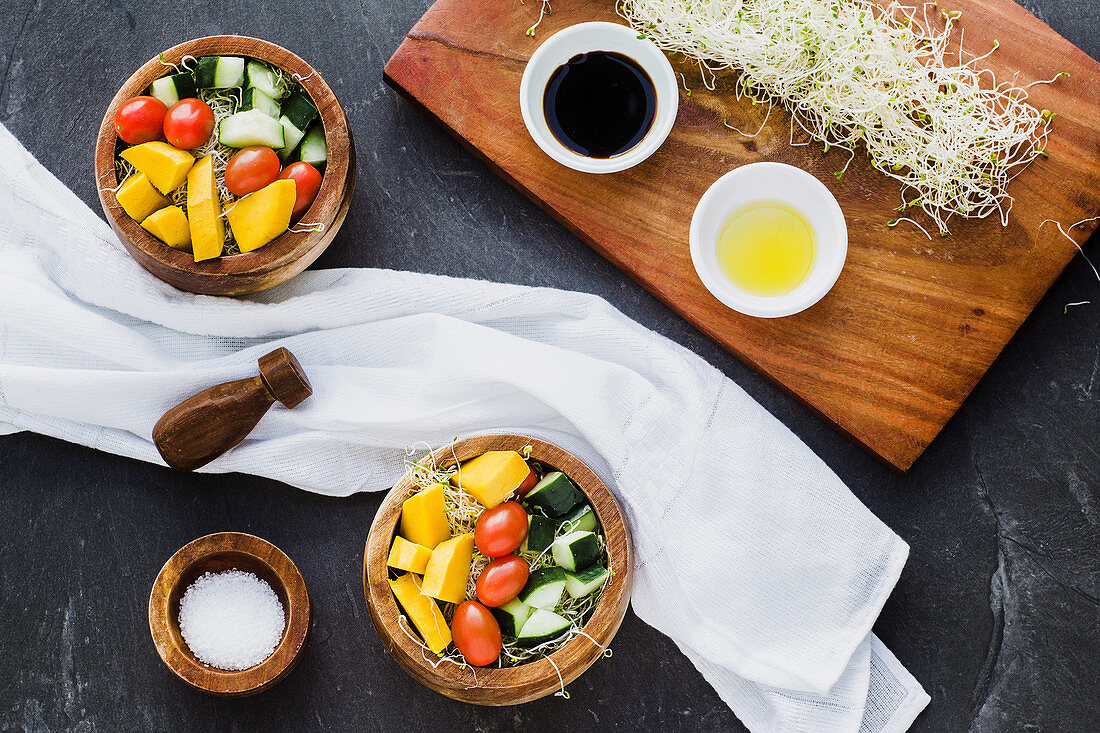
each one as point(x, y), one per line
point(769, 182)
point(584, 38)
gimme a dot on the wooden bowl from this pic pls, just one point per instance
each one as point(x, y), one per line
point(212, 554)
point(280, 259)
point(526, 682)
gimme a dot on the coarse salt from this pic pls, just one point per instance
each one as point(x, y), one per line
point(231, 620)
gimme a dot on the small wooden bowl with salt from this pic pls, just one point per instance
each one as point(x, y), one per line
point(215, 554)
point(531, 680)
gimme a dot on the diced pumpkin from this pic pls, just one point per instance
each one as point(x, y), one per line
point(204, 211)
point(261, 216)
point(492, 476)
point(423, 612)
point(170, 226)
point(448, 570)
point(405, 555)
point(424, 518)
point(138, 197)
point(165, 165)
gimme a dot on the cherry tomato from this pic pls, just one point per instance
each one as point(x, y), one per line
point(188, 123)
point(307, 181)
point(528, 483)
point(140, 120)
point(500, 530)
point(502, 580)
point(476, 633)
point(250, 169)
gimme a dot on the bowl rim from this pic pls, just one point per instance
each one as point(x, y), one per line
point(769, 181)
point(532, 680)
point(288, 247)
point(584, 38)
point(181, 661)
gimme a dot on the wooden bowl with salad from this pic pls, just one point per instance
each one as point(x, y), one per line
point(498, 569)
point(225, 165)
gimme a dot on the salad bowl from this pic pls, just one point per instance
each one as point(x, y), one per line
point(532, 680)
point(285, 256)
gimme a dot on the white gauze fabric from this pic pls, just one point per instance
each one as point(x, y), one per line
point(751, 554)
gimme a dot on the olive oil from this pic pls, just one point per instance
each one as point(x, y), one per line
point(600, 104)
point(766, 248)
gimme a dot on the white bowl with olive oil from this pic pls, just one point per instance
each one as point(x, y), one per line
point(768, 240)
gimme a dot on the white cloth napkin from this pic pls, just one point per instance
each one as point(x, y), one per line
point(751, 554)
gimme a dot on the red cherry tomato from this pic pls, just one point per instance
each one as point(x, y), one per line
point(476, 633)
point(528, 483)
point(140, 120)
point(500, 530)
point(250, 169)
point(188, 123)
point(502, 580)
point(307, 181)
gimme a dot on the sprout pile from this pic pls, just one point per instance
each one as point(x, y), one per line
point(854, 74)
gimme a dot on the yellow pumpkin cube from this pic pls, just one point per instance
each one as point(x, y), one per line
point(204, 209)
point(423, 612)
point(424, 518)
point(493, 476)
point(165, 165)
point(138, 197)
point(170, 226)
point(405, 555)
point(261, 216)
point(448, 570)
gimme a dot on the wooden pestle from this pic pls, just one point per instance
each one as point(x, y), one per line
point(202, 427)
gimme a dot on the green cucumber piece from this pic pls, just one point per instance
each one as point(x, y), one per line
point(511, 616)
point(253, 98)
point(251, 127)
point(583, 582)
point(300, 110)
point(542, 626)
point(555, 494)
point(292, 135)
point(172, 88)
point(540, 533)
point(219, 72)
point(313, 149)
point(261, 76)
point(576, 550)
point(581, 519)
point(544, 587)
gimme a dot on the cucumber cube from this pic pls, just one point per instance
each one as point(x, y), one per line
point(576, 550)
point(555, 494)
point(544, 588)
point(253, 98)
point(540, 533)
point(511, 616)
point(583, 582)
point(581, 519)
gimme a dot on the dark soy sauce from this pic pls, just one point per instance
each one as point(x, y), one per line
point(600, 104)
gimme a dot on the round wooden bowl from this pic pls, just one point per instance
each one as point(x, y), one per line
point(526, 682)
point(212, 554)
point(280, 259)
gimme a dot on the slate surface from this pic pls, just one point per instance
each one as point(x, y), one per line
point(997, 612)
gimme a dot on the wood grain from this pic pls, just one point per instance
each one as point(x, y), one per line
point(285, 256)
point(514, 685)
point(910, 327)
point(207, 424)
point(212, 554)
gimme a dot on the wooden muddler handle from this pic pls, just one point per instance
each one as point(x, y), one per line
point(202, 427)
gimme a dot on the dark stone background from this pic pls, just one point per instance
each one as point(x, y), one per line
point(997, 612)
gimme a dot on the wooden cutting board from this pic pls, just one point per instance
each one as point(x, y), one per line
point(910, 327)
